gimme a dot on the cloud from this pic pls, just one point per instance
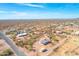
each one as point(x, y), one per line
point(33, 5)
point(21, 14)
point(3, 11)
point(15, 13)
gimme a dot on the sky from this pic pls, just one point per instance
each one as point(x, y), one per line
point(39, 10)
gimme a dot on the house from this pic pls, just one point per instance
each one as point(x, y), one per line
point(45, 41)
point(21, 34)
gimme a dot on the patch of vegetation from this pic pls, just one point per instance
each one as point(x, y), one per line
point(6, 52)
point(30, 44)
point(20, 43)
point(68, 31)
point(29, 47)
point(53, 37)
point(13, 36)
point(11, 32)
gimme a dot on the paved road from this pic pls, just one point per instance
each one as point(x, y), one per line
point(12, 45)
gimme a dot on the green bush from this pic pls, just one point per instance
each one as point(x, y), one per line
point(6, 52)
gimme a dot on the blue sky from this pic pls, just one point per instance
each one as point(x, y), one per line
point(38, 10)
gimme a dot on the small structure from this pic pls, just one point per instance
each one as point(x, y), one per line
point(43, 50)
point(45, 41)
point(21, 34)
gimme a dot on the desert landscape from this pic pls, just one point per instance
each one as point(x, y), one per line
point(44, 37)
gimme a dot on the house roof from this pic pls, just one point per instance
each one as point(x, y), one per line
point(22, 34)
point(45, 41)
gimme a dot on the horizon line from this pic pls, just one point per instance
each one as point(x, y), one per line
point(44, 19)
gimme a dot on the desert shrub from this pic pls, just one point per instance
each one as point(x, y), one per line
point(20, 43)
point(6, 52)
point(29, 43)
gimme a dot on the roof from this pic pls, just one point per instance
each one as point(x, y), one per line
point(45, 41)
point(22, 34)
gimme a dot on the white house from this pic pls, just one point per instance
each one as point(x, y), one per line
point(21, 34)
